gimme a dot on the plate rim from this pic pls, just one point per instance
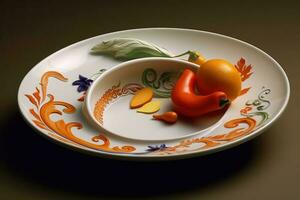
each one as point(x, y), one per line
point(169, 156)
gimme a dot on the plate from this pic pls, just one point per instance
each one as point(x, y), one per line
point(51, 96)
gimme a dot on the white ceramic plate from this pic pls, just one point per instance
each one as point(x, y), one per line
point(53, 106)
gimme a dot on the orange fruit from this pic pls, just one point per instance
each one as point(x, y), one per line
point(219, 75)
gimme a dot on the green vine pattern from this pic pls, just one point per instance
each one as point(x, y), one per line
point(162, 85)
point(261, 104)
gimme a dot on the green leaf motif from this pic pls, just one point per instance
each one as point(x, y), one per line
point(129, 48)
point(261, 103)
point(264, 116)
point(162, 85)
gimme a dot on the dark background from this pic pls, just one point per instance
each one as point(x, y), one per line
point(31, 167)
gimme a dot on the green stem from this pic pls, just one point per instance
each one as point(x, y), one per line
point(224, 102)
point(185, 53)
point(193, 55)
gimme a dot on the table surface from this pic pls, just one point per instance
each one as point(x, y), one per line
point(32, 167)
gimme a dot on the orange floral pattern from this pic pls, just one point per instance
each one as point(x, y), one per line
point(42, 118)
point(245, 110)
point(113, 93)
point(245, 70)
point(244, 91)
point(215, 140)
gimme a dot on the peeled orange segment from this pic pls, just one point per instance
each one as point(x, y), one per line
point(150, 107)
point(141, 97)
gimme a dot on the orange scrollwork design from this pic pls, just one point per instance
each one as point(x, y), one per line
point(43, 111)
point(111, 94)
point(215, 140)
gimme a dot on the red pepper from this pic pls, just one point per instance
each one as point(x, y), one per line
point(188, 103)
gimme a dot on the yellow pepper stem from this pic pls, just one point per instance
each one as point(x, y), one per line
point(194, 56)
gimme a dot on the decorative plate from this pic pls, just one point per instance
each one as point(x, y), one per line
point(51, 95)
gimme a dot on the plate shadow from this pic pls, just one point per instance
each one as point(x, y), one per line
point(31, 157)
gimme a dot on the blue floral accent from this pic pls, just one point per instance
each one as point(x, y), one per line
point(83, 83)
point(156, 147)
